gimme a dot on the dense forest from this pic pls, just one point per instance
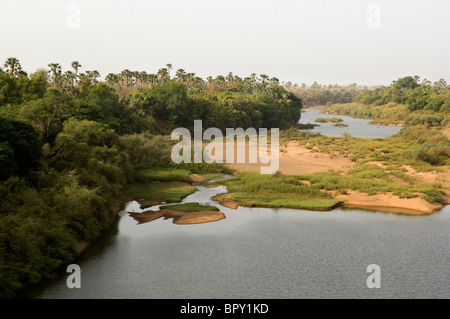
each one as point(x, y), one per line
point(406, 101)
point(69, 142)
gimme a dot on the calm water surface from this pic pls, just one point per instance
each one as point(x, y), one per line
point(356, 127)
point(266, 253)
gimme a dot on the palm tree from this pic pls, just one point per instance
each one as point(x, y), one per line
point(85, 78)
point(111, 79)
point(126, 74)
point(169, 68)
point(264, 78)
point(162, 75)
point(190, 79)
point(152, 79)
point(55, 70)
point(230, 78)
point(274, 81)
point(69, 78)
point(13, 66)
point(181, 75)
point(76, 66)
point(253, 79)
point(94, 75)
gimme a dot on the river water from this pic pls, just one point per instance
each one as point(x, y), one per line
point(356, 127)
point(266, 253)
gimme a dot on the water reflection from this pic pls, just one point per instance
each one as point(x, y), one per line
point(179, 218)
point(202, 196)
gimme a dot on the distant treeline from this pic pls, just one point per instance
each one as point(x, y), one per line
point(317, 94)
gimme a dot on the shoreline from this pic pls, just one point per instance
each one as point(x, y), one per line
point(366, 206)
point(372, 122)
point(296, 159)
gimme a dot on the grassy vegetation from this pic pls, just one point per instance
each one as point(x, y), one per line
point(161, 174)
point(209, 176)
point(190, 207)
point(158, 192)
point(419, 147)
point(252, 189)
point(328, 120)
point(371, 179)
point(167, 184)
point(340, 125)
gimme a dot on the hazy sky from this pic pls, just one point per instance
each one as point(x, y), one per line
point(328, 41)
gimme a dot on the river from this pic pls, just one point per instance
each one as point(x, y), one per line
point(356, 127)
point(266, 253)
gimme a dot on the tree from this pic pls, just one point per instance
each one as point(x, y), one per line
point(171, 103)
point(169, 68)
point(47, 115)
point(55, 70)
point(264, 78)
point(76, 66)
point(180, 76)
point(20, 150)
point(12, 66)
point(69, 78)
point(9, 90)
point(163, 75)
point(407, 82)
point(111, 79)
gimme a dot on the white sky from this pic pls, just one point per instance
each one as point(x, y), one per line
point(302, 41)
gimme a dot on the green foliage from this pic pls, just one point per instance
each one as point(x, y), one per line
point(161, 175)
point(252, 189)
point(20, 150)
point(154, 193)
point(146, 149)
point(190, 207)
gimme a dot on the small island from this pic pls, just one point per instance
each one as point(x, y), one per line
point(182, 214)
point(329, 120)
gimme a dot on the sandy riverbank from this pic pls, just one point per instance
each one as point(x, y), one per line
point(296, 159)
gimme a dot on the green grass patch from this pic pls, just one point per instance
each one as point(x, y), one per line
point(253, 189)
point(209, 176)
point(157, 192)
point(373, 182)
point(328, 120)
point(190, 207)
point(165, 174)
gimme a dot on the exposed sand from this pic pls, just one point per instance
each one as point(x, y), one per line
point(179, 218)
point(296, 159)
point(389, 203)
point(197, 178)
point(226, 202)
